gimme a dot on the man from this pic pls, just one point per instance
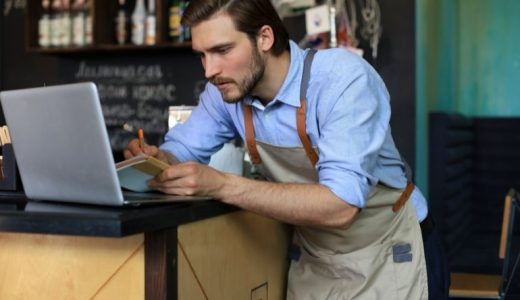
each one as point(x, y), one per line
point(321, 137)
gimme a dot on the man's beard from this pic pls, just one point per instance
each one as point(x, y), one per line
point(250, 81)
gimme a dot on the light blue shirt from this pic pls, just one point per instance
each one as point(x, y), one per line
point(348, 115)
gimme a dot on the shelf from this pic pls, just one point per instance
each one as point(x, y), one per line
point(111, 48)
point(104, 41)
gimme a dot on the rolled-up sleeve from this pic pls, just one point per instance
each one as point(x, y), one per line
point(353, 127)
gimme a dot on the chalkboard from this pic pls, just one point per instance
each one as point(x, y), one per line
point(13, 5)
point(135, 88)
point(137, 95)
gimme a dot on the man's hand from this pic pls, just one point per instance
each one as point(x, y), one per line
point(189, 178)
point(134, 149)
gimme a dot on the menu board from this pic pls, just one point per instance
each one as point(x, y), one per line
point(136, 95)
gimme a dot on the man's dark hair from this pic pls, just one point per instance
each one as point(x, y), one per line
point(247, 15)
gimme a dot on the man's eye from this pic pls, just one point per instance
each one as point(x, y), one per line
point(224, 50)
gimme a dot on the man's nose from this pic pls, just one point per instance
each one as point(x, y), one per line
point(211, 68)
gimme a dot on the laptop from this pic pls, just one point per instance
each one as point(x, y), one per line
point(62, 147)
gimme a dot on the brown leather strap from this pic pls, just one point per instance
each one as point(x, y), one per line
point(250, 135)
point(302, 133)
point(404, 197)
point(506, 219)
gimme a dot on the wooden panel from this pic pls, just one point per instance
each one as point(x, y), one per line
point(65, 267)
point(474, 285)
point(231, 256)
point(128, 282)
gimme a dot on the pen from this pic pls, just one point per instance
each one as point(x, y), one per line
point(140, 135)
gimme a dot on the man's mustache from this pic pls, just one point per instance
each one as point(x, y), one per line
point(220, 80)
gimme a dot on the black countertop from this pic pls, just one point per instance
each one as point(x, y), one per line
point(18, 214)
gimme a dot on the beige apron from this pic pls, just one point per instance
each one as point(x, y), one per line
point(380, 256)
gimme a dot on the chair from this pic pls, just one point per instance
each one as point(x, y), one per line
point(492, 286)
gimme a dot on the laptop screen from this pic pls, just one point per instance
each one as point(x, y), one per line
point(61, 144)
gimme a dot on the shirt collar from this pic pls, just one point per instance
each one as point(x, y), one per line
point(289, 93)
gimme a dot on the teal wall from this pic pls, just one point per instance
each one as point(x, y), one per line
point(468, 61)
point(489, 57)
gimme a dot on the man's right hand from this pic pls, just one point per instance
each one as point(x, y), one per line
point(134, 149)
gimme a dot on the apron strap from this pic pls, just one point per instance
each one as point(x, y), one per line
point(404, 197)
point(306, 73)
point(301, 111)
point(250, 135)
point(302, 133)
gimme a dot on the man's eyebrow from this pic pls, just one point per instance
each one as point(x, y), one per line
point(215, 48)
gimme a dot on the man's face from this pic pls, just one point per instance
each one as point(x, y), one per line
point(230, 60)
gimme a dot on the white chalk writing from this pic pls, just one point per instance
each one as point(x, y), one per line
point(153, 92)
point(133, 73)
point(159, 92)
point(9, 5)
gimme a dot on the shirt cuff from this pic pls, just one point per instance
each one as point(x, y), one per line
point(349, 187)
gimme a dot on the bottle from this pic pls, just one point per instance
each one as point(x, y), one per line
point(66, 25)
point(186, 31)
point(174, 24)
point(121, 24)
point(150, 23)
point(78, 23)
point(44, 26)
point(138, 18)
point(55, 23)
point(89, 24)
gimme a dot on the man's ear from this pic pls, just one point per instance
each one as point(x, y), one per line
point(265, 38)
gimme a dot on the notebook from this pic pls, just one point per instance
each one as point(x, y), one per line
point(62, 147)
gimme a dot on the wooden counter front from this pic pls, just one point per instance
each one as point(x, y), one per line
point(238, 255)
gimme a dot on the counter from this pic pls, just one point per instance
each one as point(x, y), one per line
point(18, 214)
point(185, 250)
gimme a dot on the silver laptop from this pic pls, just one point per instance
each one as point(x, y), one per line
point(62, 147)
